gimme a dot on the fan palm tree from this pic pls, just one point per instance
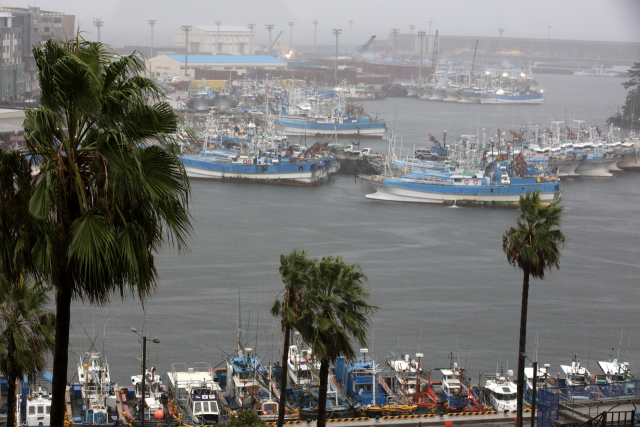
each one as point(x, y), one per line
point(111, 190)
point(293, 269)
point(336, 311)
point(26, 334)
point(533, 246)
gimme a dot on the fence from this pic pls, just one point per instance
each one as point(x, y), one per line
point(552, 402)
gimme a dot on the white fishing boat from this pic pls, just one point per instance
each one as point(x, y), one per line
point(196, 393)
point(499, 391)
point(95, 390)
point(37, 409)
point(300, 362)
point(615, 371)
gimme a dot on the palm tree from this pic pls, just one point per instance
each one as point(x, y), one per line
point(26, 334)
point(293, 269)
point(111, 190)
point(336, 310)
point(533, 247)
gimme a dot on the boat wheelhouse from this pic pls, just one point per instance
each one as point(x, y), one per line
point(498, 391)
point(196, 392)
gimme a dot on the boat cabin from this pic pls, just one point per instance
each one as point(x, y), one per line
point(203, 404)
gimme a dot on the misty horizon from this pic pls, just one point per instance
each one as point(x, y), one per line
point(125, 21)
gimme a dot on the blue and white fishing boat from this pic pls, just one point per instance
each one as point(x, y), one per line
point(596, 72)
point(498, 391)
point(360, 381)
point(516, 97)
point(342, 125)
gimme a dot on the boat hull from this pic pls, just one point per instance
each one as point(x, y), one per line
point(502, 196)
point(594, 168)
point(566, 168)
point(359, 130)
point(630, 162)
point(502, 99)
point(197, 168)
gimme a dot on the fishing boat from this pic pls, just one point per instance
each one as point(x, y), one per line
point(300, 363)
point(512, 97)
point(596, 72)
point(156, 401)
point(33, 402)
point(196, 393)
point(468, 189)
point(93, 398)
point(360, 381)
point(615, 371)
point(498, 391)
point(542, 380)
point(456, 391)
point(342, 125)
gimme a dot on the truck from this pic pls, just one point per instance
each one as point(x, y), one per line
point(351, 149)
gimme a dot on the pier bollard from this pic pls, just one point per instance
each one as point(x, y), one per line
point(448, 424)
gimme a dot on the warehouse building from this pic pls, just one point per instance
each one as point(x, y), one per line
point(163, 66)
point(229, 40)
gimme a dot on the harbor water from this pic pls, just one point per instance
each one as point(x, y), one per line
point(438, 274)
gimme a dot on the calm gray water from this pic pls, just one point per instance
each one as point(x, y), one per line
point(438, 274)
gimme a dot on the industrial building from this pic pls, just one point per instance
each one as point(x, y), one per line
point(229, 40)
point(163, 66)
point(20, 29)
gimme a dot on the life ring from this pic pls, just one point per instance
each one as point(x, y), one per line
point(246, 161)
point(466, 182)
point(295, 111)
point(529, 155)
point(475, 182)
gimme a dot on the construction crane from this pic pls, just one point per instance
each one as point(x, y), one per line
point(274, 42)
point(473, 64)
point(434, 58)
point(363, 49)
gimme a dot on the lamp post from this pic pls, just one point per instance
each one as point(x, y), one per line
point(336, 32)
point(315, 33)
point(411, 28)
point(291, 24)
point(421, 34)
point(218, 37)
point(395, 32)
point(350, 39)
point(186, 29)
point(269, 27)
point(501, 30)
point(251, 27)
point(144, 370)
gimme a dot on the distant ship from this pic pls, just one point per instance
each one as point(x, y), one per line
point(596, 72)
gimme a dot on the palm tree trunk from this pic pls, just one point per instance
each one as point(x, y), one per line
point(522, 345)
point(11, 402)
point(60, 356)
point(283, 376)
point(322, 394)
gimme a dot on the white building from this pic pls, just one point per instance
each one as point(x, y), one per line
point(230, 40)
point(173, 65)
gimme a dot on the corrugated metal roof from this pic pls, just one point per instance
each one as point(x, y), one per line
point(228, 59)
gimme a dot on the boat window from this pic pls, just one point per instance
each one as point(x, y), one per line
point(369, 387)
point(197, 408)
point(48, 410)
point(32, 410)
point(40, 409)
point(205, 406)
point(214, 407)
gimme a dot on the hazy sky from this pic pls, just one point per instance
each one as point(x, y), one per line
point(125, 21)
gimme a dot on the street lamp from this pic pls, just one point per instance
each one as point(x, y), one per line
point(144, 370)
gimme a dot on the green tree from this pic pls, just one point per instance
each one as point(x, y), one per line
point(111, 190)
point(336, 311)
point(533, 246)
point(247, 419)
point(26, 334)
point(631, 108)
point(293, 269)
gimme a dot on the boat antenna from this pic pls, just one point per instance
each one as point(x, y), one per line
point(248, 323)
point(589, 357)
point(628, 342)
point(257, 326)
point(420, 341)
point(536, 353)
point(458, 345)
point(620, 344)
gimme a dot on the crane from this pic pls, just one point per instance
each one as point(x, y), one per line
point(363, 49)
point(274, 42)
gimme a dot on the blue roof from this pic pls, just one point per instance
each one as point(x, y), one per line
point(228, 59)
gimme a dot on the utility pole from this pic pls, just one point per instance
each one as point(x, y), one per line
point(315, 33)
point(336, 32)
point(144, 372)
point(411, 28)
point(395, 32)
point(151, 22)
point(218, 37)
point(98, 23)
point(186, 29)
point(291, 24)
point(501, 30)
point(269, 27)
point(350, 39)
point(421, 34)
point(251, 27)
point(548, 40)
